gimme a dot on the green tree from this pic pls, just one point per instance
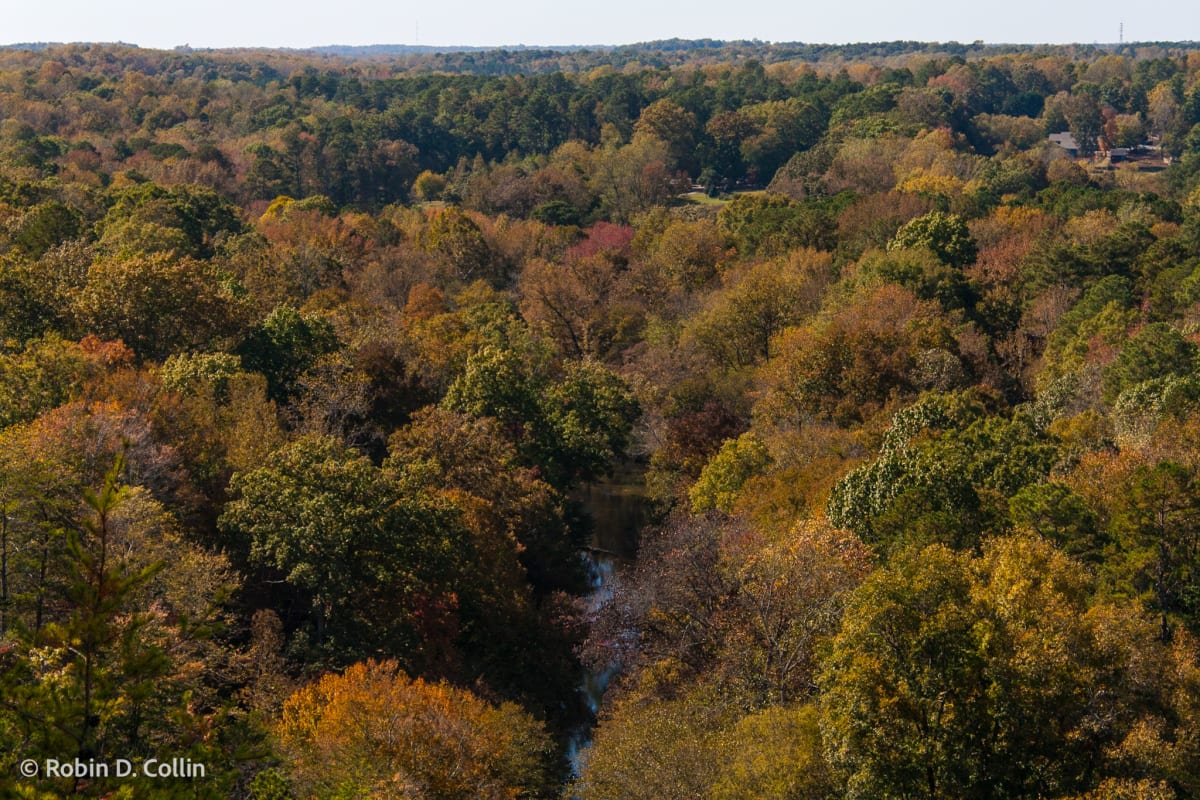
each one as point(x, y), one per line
point(673, 125)
point(183, 220)
point(1140, 409)
point(726, 473)
point(195, 373)
point(1085, 121)
point(69, 707)
point(1057, 514)
point(1156, 351)
point(284, 346)
point(991, 677)
point(117, 662)
point(771, 224)
point(457, 240)
point(158, 304)
point(1157, 550)
point(591, 412)
point(945, 472)
point(925, 274)
point(722, 156)
point(946, 235)
point(44, 227)
point(371, 560)
point(573, 429)
point(784, 127)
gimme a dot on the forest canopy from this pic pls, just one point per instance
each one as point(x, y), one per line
point(334, 385)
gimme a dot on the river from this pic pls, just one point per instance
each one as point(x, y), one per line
point(619, 510)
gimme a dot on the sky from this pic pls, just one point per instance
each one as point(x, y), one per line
point(307, 23)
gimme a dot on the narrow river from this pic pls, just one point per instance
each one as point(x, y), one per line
point(619, 509)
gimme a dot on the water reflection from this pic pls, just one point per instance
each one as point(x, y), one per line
point(619, 509)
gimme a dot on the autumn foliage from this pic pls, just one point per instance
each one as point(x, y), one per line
point(373, 731)
point(681, 420)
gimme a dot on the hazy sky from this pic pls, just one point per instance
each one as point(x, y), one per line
point(301, 23)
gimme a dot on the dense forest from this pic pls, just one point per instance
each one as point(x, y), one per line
point(312, 365)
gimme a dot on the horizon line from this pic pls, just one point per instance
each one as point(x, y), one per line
point(593, 46)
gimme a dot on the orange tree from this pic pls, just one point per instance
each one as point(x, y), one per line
point(374, 732)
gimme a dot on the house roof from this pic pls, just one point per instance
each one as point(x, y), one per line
point(1064, 140)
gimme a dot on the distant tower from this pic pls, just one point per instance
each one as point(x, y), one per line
point(1121, 35)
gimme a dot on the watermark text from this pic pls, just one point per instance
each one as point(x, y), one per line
point(91, 769)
